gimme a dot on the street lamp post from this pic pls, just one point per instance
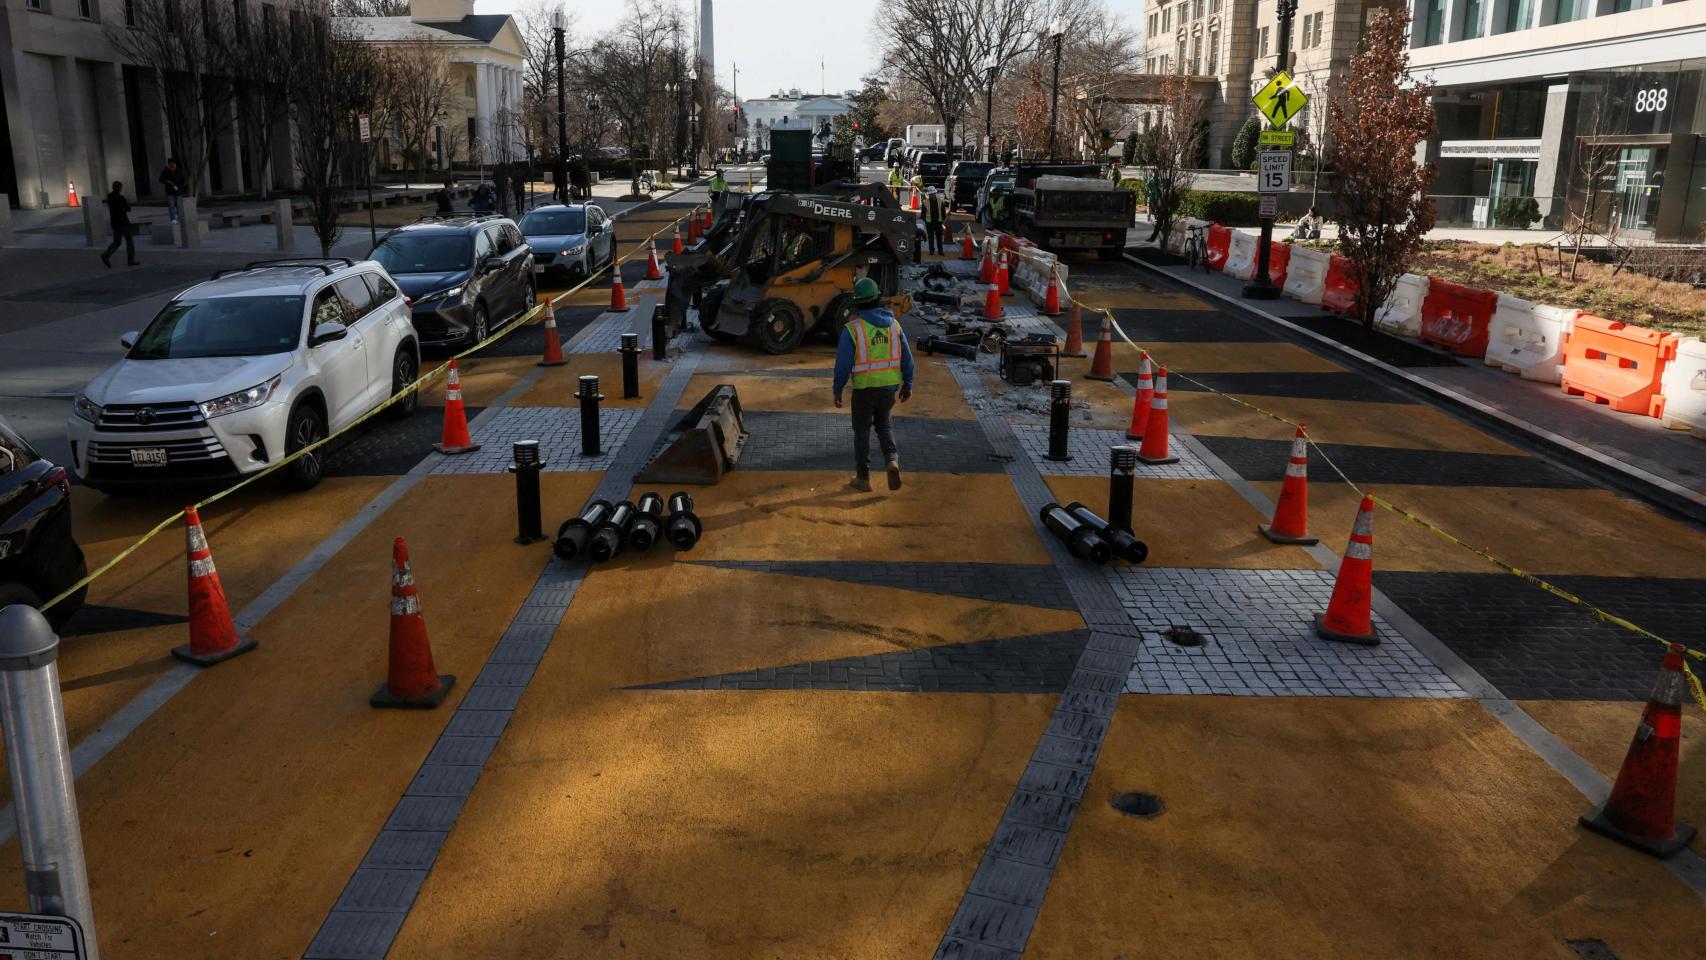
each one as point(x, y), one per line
point(694, 120)
point(989, 68)
point(1057, 32)
point(592, 106)
point(1261, 286)
point(559, 26)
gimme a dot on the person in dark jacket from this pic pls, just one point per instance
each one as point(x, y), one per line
point(519, 183)
point(500, 180)
point(446, 204)
point(484, 202)
point(172, 178)
point(935, 219)
point(118, 212)
point(560, 179)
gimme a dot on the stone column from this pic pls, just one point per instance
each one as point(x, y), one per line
point(230, 146)
point(6, 235)
point(281, 217)
point(1557, 143)
point(189, 223)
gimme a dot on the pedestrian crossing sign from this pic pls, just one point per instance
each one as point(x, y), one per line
point(1280, 99)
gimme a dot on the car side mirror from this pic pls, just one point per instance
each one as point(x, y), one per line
point(128, 340)
point(326, 333)
point(489, 263)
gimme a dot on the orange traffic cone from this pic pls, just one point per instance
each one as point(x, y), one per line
point(410, 678)
point(1074, 333)
point(213, 637)
point(1155, 436)
point(1102, 366)
point(618, 296)
point(71, 191)
point(965, 245)
point(693, 226)
point(455, 438)
point(1051, 300)
point(1003, 279)
point(1291, 514)
point(915, 198)
point(707, 224)
point(1140, 403)
point(676, 247)
point(1641, 810)
point(652, 272)
point(553, 345)
point(1349, 617)
point(992, 303)
point(986, 270)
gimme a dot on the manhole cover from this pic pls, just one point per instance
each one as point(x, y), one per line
point(1592, 949)
point(1143, 805)
point(1183, 636)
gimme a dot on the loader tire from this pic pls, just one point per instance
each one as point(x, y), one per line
point(709, 303)
point(778, 326)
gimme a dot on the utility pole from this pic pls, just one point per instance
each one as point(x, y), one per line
point(989, 68)
point(1261, 286)
point(1057, 32)
point(559, 27)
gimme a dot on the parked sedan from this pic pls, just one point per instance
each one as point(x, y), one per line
point(569, 241)
point(38, 557)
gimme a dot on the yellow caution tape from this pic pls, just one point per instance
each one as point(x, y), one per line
point(1557, 591)
point(423, 379)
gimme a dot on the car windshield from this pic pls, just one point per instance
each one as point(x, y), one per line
point(221, 327)
point(424, 253)
point(554, 223)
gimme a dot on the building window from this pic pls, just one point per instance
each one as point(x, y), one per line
point(1214, 51)
point(1167, 19)
point(1196, 9)
point(1213, 7)
point(473, 134)
point(468, 87)
point(86, 9)
point(1262, 43)
point(1519, 15)
point(1624, 6)
point(1434, 31)
point(1196, 54)
point(36, 5)
point(1472, 12)
point(240, 18)
point(130, 13)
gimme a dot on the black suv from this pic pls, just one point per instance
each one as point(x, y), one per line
point(965, 178)
point(933, 169)
point(464, 276)
point(38, 557)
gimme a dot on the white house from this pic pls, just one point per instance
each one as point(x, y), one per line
point(791, 110)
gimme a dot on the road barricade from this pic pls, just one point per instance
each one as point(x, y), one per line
point(1527, 338)
point(1684, 388)
point(1618, 365)
point(1219, 239)
point(1033, 265)
point(1179, 231)
point(1401, 315)
point(1241, 256)
point(1306, 275)
point(1279, 256)
point(1456, 317)
point(1340, 287)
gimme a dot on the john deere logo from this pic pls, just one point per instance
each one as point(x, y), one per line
point(145, 415)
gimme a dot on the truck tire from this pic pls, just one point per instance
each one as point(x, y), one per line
point(778, 326)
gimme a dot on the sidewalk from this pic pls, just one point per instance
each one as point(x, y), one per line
point(1638, 448)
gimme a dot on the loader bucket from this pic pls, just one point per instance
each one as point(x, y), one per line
point(706, 443)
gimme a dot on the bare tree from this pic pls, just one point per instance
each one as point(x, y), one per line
point(421, 93)
point(1382, 193)
point(538, 115)
point(270, 70)
point(334, 69)
point(370, 8)
point(1174, 144)
point(628, 69)
point(190, 62)
point(1098, 51)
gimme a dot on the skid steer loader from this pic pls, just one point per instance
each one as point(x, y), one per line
point(791, 269)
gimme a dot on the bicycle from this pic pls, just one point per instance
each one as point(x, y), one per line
point(1196, 247)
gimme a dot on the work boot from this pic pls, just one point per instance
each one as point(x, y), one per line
point(861, 483)
point(894, 474)
point(107, 260)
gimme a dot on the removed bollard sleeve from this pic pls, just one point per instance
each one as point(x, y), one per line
point(1079, 537)
point(683, 528)
point(573, 535)
point(1125, 546)
point(648, 522)
point(611, 535)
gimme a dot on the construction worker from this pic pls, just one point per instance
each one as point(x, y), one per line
point(797, 246)
point(895, 182)
point(718, 185)
point(935, 219)
point(874, 354)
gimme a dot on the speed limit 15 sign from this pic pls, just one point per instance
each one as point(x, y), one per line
point(1273, 171)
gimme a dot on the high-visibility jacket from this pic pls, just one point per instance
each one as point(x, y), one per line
point(877, 353)
point(894, 177)
point(718, 184)
point(796, 247)
point(934, 210)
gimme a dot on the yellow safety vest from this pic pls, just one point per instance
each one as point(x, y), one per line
point(877, 352)
point(894, 177)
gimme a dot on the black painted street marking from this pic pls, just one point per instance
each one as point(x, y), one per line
point(1261, 460)
point(1031, 584)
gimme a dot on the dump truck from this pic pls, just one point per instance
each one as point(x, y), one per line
point(1070, 207)
point(790, 272)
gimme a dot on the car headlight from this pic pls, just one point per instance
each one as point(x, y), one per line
point(241, 400)
point(86, 408)
point(574, 251)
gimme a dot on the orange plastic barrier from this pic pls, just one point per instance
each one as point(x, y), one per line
point(1279, 255)
point(1615, 364)
point(1219, 244)
point(1340, 295)
point(1456, 317)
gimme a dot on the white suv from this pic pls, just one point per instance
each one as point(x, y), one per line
point(240, 371)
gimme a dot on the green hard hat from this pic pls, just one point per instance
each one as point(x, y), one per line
point(866, 291)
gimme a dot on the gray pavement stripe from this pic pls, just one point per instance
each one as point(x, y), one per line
point(370, 913)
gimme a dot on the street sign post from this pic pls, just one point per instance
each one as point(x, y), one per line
point(31, 936)
point(1273, 171)
point(1280, 99)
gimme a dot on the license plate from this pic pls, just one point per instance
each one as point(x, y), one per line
point(148, 457)
point(1084, 239)
point(538, 269)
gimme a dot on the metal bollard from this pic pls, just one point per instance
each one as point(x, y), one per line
point(576, 531)
point(1080, 537)
point(1122, 477)
point(630, 366)
point(1059, 419)
point(39, 760)
point(660, 332)
point(589, 397)
point(526, 469)
point(683, 528)
point(1124, 545)
point(648, 522)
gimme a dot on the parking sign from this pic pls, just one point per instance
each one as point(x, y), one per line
point(1274, 172)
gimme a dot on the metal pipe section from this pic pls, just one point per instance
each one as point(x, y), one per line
point(683, 528)
point(573, 535)
point(648, 522)
point(660, 333)
point(611, 535)
point(630, 366)
point(1124, 545)
point(38, 758)
point(935, 345)
point(526, 467)
point(1080, 537)
point(1122, 479)
point(589, 397)
point(1059, 419)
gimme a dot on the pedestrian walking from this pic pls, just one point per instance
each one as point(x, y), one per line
point(519, 183)
point(560, 177)
point(118, 212)
point(874, 354)
point(1152, 197)
point(718, 185)
point(446, 202)
point(500, 180)
point(483, 202)
point(935, 219)
point(173, 180)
